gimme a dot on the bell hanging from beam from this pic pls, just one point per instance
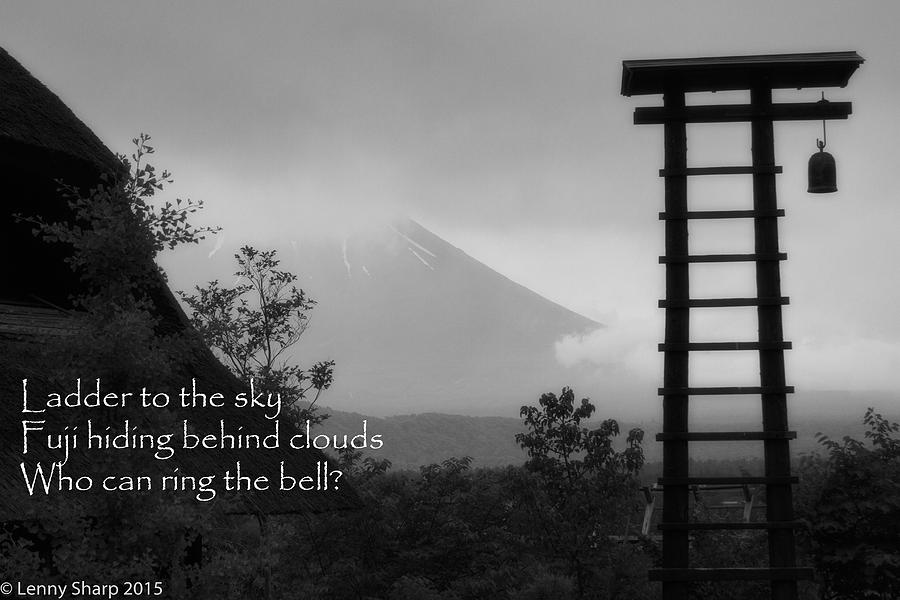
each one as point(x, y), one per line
point(822, 173)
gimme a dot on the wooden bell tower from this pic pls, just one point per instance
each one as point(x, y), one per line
point(673, 78)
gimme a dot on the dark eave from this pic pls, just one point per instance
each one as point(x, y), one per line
point(37, 127)
point(710, 74)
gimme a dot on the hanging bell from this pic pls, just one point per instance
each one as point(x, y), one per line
point(822, 173)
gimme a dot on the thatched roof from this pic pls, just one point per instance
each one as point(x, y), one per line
point(34, 119)
point(35, 124)
point(22, 320)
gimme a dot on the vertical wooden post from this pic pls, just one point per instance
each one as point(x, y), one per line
point(675, 366)
point(779, 499)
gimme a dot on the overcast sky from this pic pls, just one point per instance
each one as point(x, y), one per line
point(499, 125)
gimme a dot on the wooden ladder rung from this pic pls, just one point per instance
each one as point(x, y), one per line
point(724, 436)
point(746, 574)
point(782, 480)
point(723, 346)
point(731, 525)
point(721, 214)
point(724, 391)
point(723, 302)
point(717, 258)
point(691, 171)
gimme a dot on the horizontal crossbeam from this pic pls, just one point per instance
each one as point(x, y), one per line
point(731, 525)
point(713, 258)
point(722, 302)
point(784, 480)
point(723, 346)
point(721, 214)
point(723, 391)
point(693, 171)
point(735, 113)
point(747, 574)
point(725, 436)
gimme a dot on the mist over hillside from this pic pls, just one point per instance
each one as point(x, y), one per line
point(413, 440)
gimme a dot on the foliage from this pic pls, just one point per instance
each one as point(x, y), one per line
point(138, 538)
point(447, 531)
point(116, 230)
point(559, 446)
point(584, 486)
point(254, 324)
point(112, 235)
point(854, 514)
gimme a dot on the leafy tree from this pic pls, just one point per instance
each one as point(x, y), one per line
point(586, 488)
point(112, 235)
point(116, 231)
point(255, 323)
point(854, 513)
point(559, 446)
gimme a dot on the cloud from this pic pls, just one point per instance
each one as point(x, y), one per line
point(628, 347)
point(625, 347)
point(863, 364)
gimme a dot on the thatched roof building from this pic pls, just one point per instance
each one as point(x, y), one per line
point(42, 141)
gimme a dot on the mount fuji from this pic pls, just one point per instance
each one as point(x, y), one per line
point(415, 324)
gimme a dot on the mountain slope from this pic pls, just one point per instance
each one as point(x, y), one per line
point(416, 325)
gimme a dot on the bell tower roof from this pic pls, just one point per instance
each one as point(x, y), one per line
point(711, 74)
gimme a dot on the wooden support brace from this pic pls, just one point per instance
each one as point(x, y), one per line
point(648, 510)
